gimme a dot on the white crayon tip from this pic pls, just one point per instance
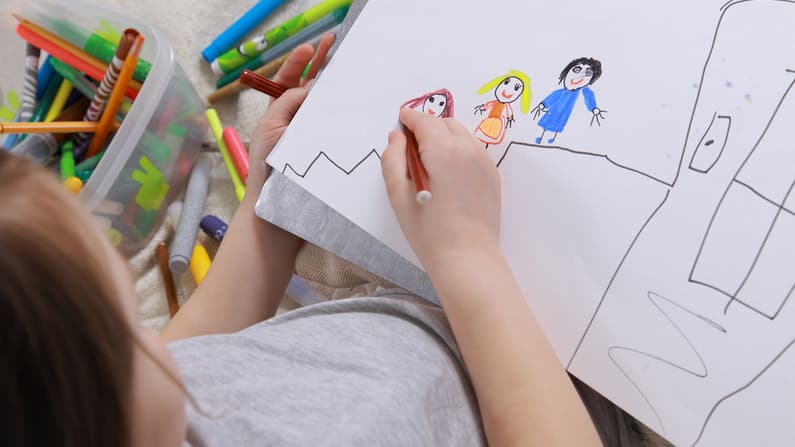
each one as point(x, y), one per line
point(424, 197)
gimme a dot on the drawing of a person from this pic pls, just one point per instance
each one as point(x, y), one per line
point(576, 77)
point(438, 103)
point(507, 89)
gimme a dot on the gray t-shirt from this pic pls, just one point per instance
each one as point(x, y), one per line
point(361, 371)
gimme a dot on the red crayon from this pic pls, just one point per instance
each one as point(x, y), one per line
point(262, 84)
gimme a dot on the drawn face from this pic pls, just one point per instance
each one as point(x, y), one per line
point(509, 90)
point(435, 105)
point(578, 77)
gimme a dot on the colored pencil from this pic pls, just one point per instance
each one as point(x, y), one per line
point(66, 52)
point(168, 279)
point(54, 127)
point(416, 169)
point(268, 69)
point(108, 81)
point(262, 84)
point(116, 97)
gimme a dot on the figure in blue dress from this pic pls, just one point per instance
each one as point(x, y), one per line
point(578, 75)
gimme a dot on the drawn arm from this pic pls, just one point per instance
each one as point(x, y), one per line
point(590, 104)
point(543, 106)
point(484, 107)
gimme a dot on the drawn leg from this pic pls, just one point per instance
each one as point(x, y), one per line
point(552, 140)
point(538, 140)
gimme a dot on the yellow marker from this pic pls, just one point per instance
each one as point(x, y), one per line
point(60, 100)
point(218, 132)
point(73, 185)
point(199, 263)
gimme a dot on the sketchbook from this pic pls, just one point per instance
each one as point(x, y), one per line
point(647, 158)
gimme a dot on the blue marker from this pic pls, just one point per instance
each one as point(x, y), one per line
point(213, 227)
point(235, 33)
point(43, 77)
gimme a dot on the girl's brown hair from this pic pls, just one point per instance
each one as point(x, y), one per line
point(65, 345)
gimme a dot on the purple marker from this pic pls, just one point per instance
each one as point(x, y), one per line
point(213, 227)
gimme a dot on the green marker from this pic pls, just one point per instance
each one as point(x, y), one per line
point(236, 57)
point(67, 160)
point(75, 77)
point(103, 50)
point(90, 163)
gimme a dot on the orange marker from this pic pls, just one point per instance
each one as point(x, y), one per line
point(416, 169)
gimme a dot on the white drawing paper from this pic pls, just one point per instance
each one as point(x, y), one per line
point(648, 168)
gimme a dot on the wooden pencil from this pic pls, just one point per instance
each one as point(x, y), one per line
point(168, 279)
point(116, 97)
point(266, 70)
point(54, 127)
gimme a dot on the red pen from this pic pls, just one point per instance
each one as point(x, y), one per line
point(237, 151)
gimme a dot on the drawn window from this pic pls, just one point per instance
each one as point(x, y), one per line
point(712, 144)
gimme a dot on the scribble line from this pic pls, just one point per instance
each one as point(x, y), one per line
point(612, 278)
point(330, 160)
point(653, 297)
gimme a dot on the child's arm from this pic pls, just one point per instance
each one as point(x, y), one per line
point(524, 394)
point(250, 272)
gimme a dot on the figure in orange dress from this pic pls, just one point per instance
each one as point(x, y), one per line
point(507, 89)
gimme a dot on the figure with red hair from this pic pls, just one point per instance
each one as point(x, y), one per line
point(438, 103)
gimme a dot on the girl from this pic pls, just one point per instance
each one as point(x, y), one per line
point(438, 103)
point(78, 370)
point(507, 90)
point(576, 77)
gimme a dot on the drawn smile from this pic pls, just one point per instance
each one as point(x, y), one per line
point(506, 95)
point(431, 112)
point(577, 82)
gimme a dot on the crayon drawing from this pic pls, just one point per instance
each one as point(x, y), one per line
point(507, 89)
point(437, 103)
point(576, 77)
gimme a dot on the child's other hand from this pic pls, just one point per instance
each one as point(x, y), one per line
point(463, 217)
point(281, 111)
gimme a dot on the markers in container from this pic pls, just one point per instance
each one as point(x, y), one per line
point(43, 77)
point(31, 78)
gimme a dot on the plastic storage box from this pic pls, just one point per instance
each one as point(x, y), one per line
point(149, 160)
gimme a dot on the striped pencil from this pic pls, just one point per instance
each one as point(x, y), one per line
point(108, 82)
point(29, 89)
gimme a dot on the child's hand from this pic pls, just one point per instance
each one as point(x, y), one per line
point(464, 215)
point(281, 111)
